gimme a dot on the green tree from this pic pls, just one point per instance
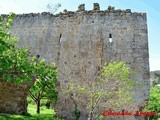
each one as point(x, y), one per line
point(17, 65)
point(14, 62)
point(44, 86)
point(113, 81)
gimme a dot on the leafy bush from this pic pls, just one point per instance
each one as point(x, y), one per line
point(113, 81)
point(154, 100)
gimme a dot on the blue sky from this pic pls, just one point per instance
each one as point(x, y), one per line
point(151, 7)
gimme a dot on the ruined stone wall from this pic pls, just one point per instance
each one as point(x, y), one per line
point(13, 98)
point(80, 41)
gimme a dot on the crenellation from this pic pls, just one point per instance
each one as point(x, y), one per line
point(81, 7)
point(81, 11)
point(128, 10)
point(65, 10)
point(96, 7)
point(145, 16)
point(109, 8)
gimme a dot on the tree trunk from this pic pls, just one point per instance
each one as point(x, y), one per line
point(38, 106)
point(90, 116)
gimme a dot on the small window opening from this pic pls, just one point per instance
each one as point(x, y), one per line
point(75, 55)
point(60, 35)
point(60, 38)
point(110, 38)
point(38, 56)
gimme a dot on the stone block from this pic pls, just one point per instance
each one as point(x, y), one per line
point(81, 7)
point(96, 6)
point(12, 98)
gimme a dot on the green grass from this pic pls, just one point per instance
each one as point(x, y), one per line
point(44, 110)
point(45, 114)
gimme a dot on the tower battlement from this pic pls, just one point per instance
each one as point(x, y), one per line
point(110, 11)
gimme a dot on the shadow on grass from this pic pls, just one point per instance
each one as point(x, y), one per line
point(28, 117)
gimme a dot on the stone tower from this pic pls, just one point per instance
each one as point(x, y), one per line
point(84, 36)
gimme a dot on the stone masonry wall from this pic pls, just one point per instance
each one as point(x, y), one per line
point(80, 41)
point(13, 98)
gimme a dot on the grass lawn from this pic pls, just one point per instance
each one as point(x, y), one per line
point(45, 114)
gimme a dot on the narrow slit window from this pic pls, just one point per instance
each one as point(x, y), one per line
point(110, 38)
point(60, 36)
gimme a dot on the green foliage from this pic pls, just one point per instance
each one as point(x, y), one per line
point(44, 86)
point(154, 100)
point(77, 114)
point(17, 66)
point(46, 114)
point(32, 102)
point(153, 103)
point(113, 81)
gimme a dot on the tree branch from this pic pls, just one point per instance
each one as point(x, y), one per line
point(74, 102)
point(32, 96)
point(94, 106)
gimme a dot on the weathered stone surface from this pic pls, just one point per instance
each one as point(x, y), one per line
point(13, 98)
point(80, 42)
point(96, 6)
point(81, 7)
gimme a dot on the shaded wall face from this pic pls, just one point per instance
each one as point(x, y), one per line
point(13, 98)
point(80, 42)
